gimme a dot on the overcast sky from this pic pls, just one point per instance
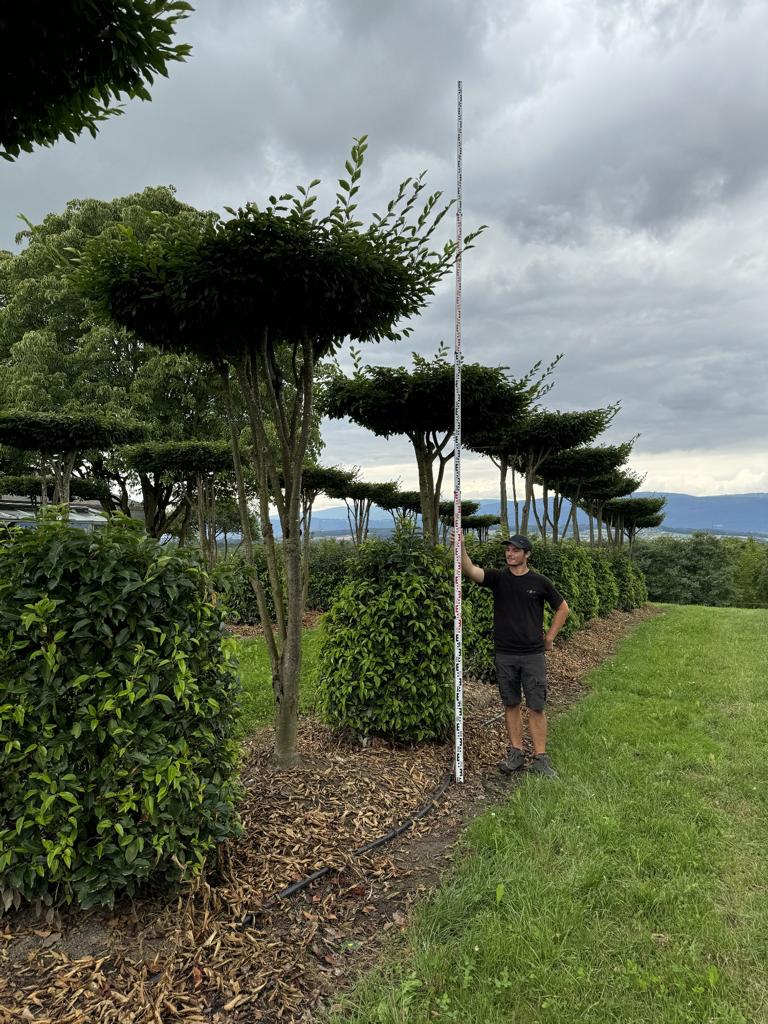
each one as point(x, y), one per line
point(617, 150)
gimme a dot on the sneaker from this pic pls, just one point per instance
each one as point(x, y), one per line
point(513, 762)
point(540, 765)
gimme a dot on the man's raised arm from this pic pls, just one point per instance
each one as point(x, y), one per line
point(468, 567)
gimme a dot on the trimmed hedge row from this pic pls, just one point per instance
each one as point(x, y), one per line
point(386, 657)
point(330, 565)
point(118, 705)
point(594, 582)
point(386, 650)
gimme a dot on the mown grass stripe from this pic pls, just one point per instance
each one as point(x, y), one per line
point(633, 890)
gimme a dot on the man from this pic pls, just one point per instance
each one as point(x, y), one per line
point(518, 632)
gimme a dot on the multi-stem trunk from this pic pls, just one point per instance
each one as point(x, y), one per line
point(503, 466)
point(234, 437)
point(266, 399)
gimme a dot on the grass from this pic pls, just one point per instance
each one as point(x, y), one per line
point(257, 700)
point(633, 890)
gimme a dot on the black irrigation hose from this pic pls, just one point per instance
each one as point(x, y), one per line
point(291, 890)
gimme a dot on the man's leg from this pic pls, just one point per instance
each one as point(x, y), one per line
point(537, 723)
point(508, 677)
point(514, 719)
point(534, 683)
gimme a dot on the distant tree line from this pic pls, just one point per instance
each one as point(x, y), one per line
point(704, 569)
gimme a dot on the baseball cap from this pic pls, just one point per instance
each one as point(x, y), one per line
point(519, 541)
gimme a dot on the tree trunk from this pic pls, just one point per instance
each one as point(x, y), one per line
point(426, 489)
point(234, 437)
point(292, 425)
point(514, 499)
point(306, 525)
point(543, 522)
point(528, 502)
point(557, 504)
point(503, 465)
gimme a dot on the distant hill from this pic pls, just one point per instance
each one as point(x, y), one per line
point(728, 514)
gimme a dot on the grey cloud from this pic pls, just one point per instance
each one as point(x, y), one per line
point(616, 148)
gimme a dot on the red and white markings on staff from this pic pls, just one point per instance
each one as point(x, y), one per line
point(458, 767)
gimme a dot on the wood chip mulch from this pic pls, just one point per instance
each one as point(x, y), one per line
point(226, 951)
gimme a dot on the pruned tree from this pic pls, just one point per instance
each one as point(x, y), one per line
point(628, 515)
point(271, 292)
point(599, 490)
point(316, 480)
point(404, 507)
point(64, 64)
point(543, 434)
point(62, 440)
point(360, 496)
point(481, 525)
point(565, 474)
point(495, 438)
point(182, 468)
point(419, 403)
point(468, 509)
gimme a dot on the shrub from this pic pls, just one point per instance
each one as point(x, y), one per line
point(329, 565)
point(117, 710)
point(234, 591)
point(386, 653)
point(631, 582)
point(701, 569)
point(477, 612)
point(605, 581)
point(477, 622)
point(570, 569)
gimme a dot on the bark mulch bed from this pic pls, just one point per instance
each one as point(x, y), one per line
point(225, 951)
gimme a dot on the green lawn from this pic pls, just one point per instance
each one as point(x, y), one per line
point(258, 701)
point(633, 890)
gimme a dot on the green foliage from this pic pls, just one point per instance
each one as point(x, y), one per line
point(477, 630)
point(387, 648)
point(31, 487)
point(118, 704)
point(633, 591)
point(64, 64)
point(606, 584)
point(704, 569)
point(280, 273)
point(389, 400)
point(52, 433)
point(330, 562)
point(179, 457)
point(231, 578)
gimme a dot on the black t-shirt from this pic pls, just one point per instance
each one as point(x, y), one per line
point(518, 609)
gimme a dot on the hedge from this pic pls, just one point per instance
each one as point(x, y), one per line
point(118, 705)
point(594, 581)
point(386, 651)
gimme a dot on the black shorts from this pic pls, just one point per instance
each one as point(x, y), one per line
point(522, 673)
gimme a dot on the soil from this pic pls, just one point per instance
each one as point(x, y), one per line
point(228, 949)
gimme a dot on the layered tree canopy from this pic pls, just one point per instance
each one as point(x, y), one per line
point(419, 403)
point(63, 64)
